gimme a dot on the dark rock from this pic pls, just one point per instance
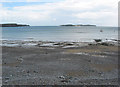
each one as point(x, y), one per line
point(6, 78)
point(28, 71)
point(105, 44)
point(35, 71)
point(91, 71)
point(89, 60)
point(66, 81)
point(69, 44)
point(57, 44)
point(90, 44)
point(97, 40)
point(61, 77)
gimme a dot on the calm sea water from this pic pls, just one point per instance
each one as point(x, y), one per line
point(59, 33)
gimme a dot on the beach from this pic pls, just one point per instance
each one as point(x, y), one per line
point(59, 63)
point(49, 43)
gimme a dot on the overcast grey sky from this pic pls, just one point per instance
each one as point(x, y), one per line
point(57, 12)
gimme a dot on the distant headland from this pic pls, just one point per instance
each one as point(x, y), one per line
point(13, 25)
point(77, 25)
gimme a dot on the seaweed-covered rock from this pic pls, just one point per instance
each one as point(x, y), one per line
point(69, 44)
point(98, 40)
point(105, 44)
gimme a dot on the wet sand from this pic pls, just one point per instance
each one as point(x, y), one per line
point(57, 65)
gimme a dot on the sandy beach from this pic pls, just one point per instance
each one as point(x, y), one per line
point(60, 63)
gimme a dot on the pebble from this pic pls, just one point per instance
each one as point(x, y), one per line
point(66, 81)
point(11, 75)
point(61, 77)
point(28, 72)
point(35, 71)
point(6, 78)
point(6, 81)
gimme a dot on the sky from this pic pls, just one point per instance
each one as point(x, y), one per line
point(58, 12)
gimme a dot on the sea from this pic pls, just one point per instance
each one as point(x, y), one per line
point(60, 33)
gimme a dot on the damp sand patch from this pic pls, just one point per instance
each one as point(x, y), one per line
point(104, 67)
point(93, 49)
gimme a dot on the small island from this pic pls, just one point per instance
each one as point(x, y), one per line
point(77, 25)
point(13, 25)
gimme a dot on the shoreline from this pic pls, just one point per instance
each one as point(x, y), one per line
point(23, 43)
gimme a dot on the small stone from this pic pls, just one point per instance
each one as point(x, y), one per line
point(91, 70)
point(105, 44)
point(75, 79)
point(6, 81)
point(61, 77)
point(100, 73)
point(35, 71)
point(89, 60)
point(90, 44)
point(28, 72)
point(6, 78)
point(66, 81)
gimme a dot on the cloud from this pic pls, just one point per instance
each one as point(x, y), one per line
point(20, 0)
point(103, 18)
point(65, 11)
point(28, 0)
point(12, 0)
point(0, 12)
point(95, 15)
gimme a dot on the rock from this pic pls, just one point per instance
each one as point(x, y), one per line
point(6, 81)
point(98, 40)
point(69, 44)
point(90, 44)
point(66, 81)
point(35, 71)
point(57, 44)
point(101, 30)
point(11, 75)
point(89, 60)
point(91, 71)
point(105, 44)
point(61, 77)
point(6, 78)
point(28, 71)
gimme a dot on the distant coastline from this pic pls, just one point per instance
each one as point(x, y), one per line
point(78, 25)
point(13, 25)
